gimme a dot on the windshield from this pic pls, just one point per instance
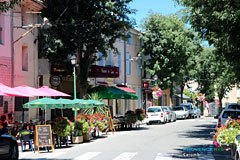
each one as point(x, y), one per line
point(154, 110)
point(234, 106)
point(232, 114)
point(187, 106)
point(178, 109)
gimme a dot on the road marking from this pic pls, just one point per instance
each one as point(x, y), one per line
point(53, 154)
point(125, 156)
point(161, 156)
point(208, 156)
point(87, 156)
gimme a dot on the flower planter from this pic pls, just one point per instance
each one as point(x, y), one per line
point(86, 138)
point(77, 139)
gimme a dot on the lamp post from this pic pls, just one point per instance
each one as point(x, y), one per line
point(74, 62)
point(155, 79)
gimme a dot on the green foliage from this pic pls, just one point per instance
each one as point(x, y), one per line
point(7, 5)
point(78, 128)
point(83, 28)
point(130, 117)
point(62, 126)
point(217, 22)
point(140, 114)
point(90, 111)
point(85, 128)
point(190, 94)
point(170, 45)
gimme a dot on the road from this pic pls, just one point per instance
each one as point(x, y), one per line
point(183, 139)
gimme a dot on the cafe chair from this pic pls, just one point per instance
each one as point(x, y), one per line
point(26, 136)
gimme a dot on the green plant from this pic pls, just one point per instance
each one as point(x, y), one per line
point(90, 111)
point(78, 128)
point(86, 128)
point(62, 126)
point(130, 117)
point(98, 122)
point(140, 114)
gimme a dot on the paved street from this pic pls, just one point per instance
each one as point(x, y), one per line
point(184, 139)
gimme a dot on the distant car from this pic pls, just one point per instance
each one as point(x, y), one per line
point(233, 106)
point(8, 147)
point(189, 107)
point(181, 112)
point(170, 114)
point(197, 112)
point(227, 113)
point(155, 114)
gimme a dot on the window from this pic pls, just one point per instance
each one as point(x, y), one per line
point(24, 58)
point(130, 39)
point(101, 62)
point(128, 64)
point(5, 106)
point(138, 67)
point(109, 59)
point(19, 101)
point(119, 61)
point(1, 101)
point(139, 97)
point(238, 92)
point(1, 35)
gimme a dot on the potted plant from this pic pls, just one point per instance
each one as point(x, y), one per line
point(86, 132)
point(130, 118)
point(77, 134)
point(225, 135)
point(98, 123)
point(62, 127)
point(140, 114)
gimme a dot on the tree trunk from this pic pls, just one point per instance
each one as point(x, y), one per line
point(220, 103)
point(182, 87)
point(171, 94)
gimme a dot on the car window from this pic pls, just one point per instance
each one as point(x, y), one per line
point(234, 106)
point(165, 109)
point(178, 109)
point(154, 110)
point(231, 114)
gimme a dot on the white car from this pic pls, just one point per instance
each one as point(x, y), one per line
point(227, 113)
point(181, 112)
point(155, 114)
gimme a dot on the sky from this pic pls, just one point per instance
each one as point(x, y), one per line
point(143, 8)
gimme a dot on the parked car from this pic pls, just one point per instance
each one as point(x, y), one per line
point(237, 151)
point(233, 106)
point(155, 114)
point(181, 112)
point(227, 113)
point(189, 107)
point(170, 114)
point(197, 112)
point(8, 147)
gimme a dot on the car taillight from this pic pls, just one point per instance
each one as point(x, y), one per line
point(146, 115)
point(167, 113)
point(161, 114)
point(219, 122)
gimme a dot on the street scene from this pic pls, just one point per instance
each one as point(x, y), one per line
point(119, 80)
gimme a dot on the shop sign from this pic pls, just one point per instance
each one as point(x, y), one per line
point(103, 71)
point(55, 80)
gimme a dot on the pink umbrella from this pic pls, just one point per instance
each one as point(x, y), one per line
point(11, 92)
point(53, 92)
point(30, 91)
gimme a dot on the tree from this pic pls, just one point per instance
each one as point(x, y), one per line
point(169, 44)
point(6, 5)
point(83, 28)
point(218, 22)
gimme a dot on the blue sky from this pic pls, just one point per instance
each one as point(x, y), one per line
point(143, 7)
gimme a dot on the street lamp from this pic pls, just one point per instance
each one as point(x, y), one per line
point(155, 79)
point(74, 62)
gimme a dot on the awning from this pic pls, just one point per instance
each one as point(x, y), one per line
point(127, 89)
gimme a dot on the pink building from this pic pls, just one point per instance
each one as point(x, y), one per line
point(19, 55)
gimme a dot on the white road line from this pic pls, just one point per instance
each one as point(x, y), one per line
point(87, 156)
point(208, 156)
point(125, 156)
point(161, 156)
point(53, 154)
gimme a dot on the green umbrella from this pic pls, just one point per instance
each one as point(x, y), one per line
point(96, 103)
point(43, 103)
point(84, 103)
point(68, 103)
point(107, 92)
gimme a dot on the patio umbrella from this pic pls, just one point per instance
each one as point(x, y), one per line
point(96, 103)
point(30, 91)
point(11, 92)
point(53, 92)
point(107, 92)
point(43, 103)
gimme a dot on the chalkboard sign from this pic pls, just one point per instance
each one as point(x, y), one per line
point(43, 136)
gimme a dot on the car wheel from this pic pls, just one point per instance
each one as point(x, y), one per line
point(147, 123)
point(13, 151)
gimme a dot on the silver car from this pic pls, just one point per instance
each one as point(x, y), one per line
point(181, 112)
point(170, 114)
